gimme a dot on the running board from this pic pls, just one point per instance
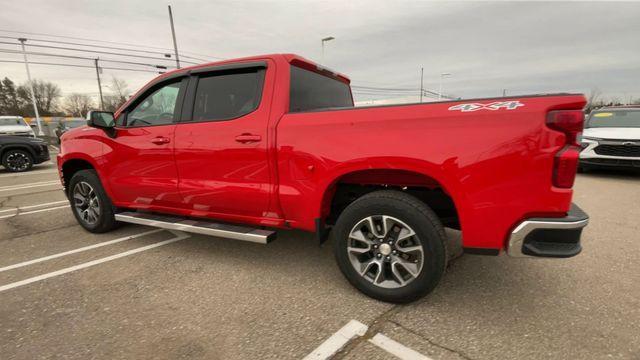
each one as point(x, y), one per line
point(204, 227)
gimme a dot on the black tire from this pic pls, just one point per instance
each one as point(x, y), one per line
point(411, 212)
point(16, 160)
point(105, 220)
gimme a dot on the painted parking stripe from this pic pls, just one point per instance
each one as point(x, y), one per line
point(30, 185)
point(20, 208)
point(395, 348)
point(34, 172)
point(338, 340)
point(75, 251)
point(13, 285)
point(33, 212)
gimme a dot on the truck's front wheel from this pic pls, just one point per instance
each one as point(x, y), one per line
point(90, 204)
point(391, 246)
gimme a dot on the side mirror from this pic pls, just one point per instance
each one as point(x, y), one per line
point(101, 119)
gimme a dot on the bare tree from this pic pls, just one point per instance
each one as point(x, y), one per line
point(119, 94)
point(594, 100)
point(46, 95)
point(78, 104)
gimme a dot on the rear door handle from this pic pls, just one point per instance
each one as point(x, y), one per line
point(248, 138)
point(160, 140)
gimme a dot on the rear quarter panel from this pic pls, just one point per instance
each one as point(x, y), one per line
point(496, 165)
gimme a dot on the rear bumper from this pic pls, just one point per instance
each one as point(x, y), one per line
point(549, 237)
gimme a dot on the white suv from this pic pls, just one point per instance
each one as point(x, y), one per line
point(611, 138)
point(15, 126)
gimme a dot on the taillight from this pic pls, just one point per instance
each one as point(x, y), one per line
point(570, 122)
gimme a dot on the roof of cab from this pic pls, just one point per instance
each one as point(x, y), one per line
point(290, 58)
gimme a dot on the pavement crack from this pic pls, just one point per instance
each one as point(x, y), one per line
point(431, 342)
point(375, 328)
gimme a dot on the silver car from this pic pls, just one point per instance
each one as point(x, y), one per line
point(15, 126)
point(611, 138)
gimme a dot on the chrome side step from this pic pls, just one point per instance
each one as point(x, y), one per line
point(204, 227)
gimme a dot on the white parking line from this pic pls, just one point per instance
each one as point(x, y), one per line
point(338, 340)
point(30, 185)
point(13, 285)
point(34, 172)
point(18, 209)
point(75, 251)
point(395, 348)
point(19, 212)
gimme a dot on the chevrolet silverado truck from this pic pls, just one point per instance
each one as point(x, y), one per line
point(241, 148)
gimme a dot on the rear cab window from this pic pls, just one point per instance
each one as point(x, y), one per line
point(228, 95)
point(309, 91)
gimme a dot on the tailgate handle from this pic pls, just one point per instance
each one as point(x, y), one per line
point(248, 138)
point(160, 140)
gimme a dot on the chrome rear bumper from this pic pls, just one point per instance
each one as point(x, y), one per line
point(549, 237)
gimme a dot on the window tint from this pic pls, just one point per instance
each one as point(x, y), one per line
point(157, 108)
point(313, 91)
point(227, 96)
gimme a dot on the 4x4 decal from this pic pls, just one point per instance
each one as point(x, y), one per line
point(507, 105)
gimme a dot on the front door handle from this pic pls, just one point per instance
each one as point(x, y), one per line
point(160, 140)
point(248, 138)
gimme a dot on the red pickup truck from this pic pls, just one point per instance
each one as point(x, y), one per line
point(239, 148)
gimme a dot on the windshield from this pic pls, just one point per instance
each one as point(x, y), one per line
point(614, 118)
point(12, 121)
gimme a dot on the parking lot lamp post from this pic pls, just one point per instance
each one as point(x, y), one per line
point(33, 96)
point(323, 41)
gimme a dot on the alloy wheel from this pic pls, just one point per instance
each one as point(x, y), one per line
point(86, 203)
point(385, 251)
point(18, 161)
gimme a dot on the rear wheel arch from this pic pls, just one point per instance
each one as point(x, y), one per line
point(348, 187)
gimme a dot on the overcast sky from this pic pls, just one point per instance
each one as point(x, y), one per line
point(523, 47)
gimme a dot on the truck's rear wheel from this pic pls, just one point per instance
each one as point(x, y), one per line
point(90, 204)
point(390, 246)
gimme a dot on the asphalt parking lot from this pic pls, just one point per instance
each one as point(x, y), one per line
point(139, 293)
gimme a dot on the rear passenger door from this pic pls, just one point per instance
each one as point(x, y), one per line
point(221, 144)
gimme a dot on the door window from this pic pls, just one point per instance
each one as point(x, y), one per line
point(227, 95)
point(158, 108)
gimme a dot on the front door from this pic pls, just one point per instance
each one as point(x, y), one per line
point(142, 171)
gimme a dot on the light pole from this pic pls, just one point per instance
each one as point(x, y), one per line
point(173, 34)
point(33, 95)
point(421, 82)
point(329, 38)
point(99, 84)
point(442, 76)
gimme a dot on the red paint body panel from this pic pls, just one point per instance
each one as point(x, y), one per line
point(496, 165)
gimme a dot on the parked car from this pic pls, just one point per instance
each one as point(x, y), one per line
point(66, 125)
point(19, 153)
point(274, 142)
point(15, 126)
point(611, 138)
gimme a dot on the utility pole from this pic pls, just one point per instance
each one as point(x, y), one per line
point(33, 95)
point(173, 33)
point(99, 85)
point(421, 82)
point(504, 92)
